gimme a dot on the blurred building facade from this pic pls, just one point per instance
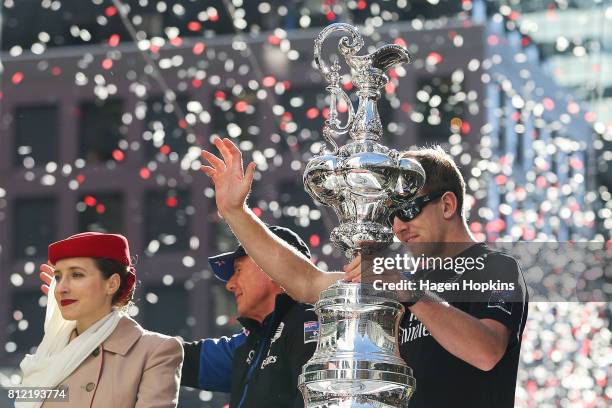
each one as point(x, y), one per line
point(102, 124)
point(573, 40)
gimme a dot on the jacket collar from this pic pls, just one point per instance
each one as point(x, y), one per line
point(282, 304)
point(127, 332)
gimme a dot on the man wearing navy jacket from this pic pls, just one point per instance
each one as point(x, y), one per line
point(259, 366)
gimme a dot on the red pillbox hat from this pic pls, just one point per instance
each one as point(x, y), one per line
point(92, 245)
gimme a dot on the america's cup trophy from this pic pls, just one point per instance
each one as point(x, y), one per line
point(357, 361)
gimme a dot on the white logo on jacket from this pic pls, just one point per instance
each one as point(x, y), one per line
point(249, 359)
point(278, 333)
point(268, 360)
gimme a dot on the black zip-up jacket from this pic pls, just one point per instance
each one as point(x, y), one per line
point(260, 366)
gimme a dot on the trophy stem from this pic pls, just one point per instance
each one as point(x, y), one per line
point(367, 124)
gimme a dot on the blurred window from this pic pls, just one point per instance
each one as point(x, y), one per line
point(166, 309)
point(27, 320)
point(100, 131)
point(35, 224)
point(36, 135)
point(101, 213)
point(167, 219)
point(165, 133)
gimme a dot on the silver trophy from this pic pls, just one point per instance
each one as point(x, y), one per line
point(357, 361)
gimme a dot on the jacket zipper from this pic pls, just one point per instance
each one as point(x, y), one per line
point(256, 361)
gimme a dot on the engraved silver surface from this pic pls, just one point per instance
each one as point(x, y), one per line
point(357, 361)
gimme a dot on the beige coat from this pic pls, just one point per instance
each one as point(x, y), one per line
point(132, 368)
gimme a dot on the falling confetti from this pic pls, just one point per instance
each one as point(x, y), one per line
point(167, 75)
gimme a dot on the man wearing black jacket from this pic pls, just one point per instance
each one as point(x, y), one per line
point(260, 365)
point(463, 353)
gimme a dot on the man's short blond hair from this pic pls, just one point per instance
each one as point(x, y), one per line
point(442, 174)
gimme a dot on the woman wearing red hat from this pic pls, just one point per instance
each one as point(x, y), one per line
point(103, 357)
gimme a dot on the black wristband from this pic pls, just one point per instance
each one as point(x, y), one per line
point(415, 296)
point(409, 298)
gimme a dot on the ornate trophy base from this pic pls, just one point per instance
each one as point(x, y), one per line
point(350, 388)
point(357, 362)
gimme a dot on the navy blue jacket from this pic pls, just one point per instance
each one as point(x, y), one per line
point(259, 366)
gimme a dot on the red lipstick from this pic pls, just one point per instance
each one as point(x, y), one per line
point(67, 302)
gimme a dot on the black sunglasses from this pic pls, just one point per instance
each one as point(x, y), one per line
point(411, 210)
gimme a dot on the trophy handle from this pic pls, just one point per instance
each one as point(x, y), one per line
point(348, 46)
point(333, 127)
point(328, 135)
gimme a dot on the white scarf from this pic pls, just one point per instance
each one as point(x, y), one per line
point(56, 357)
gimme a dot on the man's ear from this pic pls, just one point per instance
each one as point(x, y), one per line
point(450, 203)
